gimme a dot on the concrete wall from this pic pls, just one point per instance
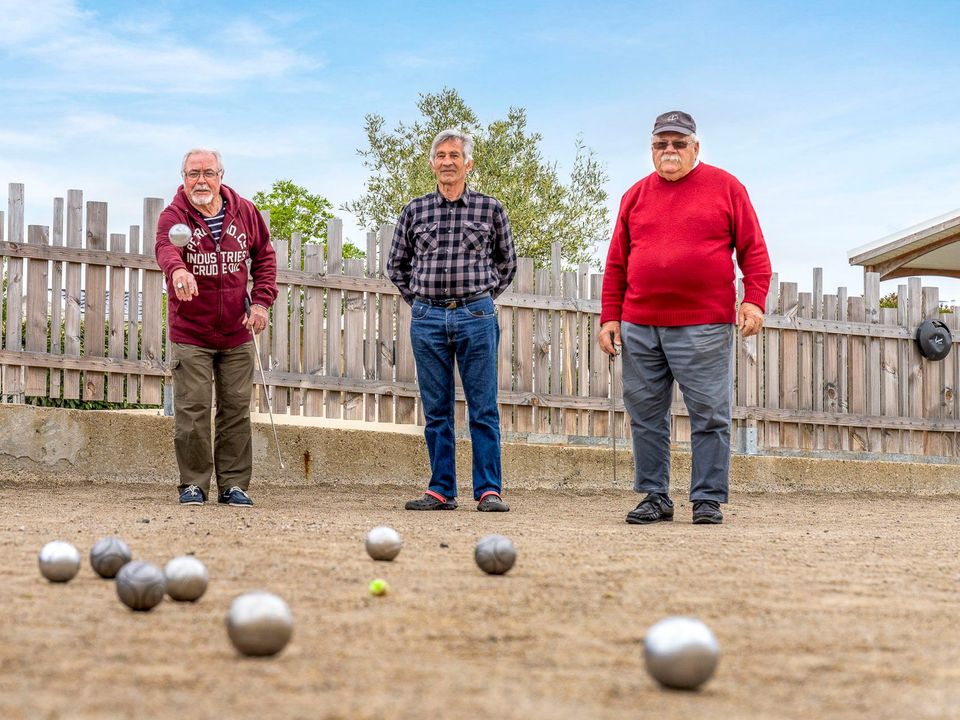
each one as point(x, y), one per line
point(72, 446)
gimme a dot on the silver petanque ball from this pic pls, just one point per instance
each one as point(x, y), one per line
point(59, 561)
point(140, 585)
point(383, 543)
point(680, 652)
point(259, 623)
point(186, 578)
point(179, 235)
point(108, 555)
point(495, 554)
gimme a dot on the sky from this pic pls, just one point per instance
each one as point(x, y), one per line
point(840, 118)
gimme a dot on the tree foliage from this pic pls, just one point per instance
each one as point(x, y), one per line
point(294, 209)
point(508, 165)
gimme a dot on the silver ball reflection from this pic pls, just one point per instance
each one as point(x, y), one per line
point(680, 652)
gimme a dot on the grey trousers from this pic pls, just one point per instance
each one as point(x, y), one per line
point(196, 370)
point(698, 357)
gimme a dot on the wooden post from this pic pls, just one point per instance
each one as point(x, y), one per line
point(771, 364)
point(805, 350)
point(856, 370)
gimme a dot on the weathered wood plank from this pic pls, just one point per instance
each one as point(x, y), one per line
point(280, 345)
point(542, 352)
point(790, 373)
point(313, 337)
point(95, 300)
point(56, 298)
point(771, 362)
point(353, 317)
point(13, 375)
point(857, 383)
point(569, 375)
point(295, 322)
point(599, 366)
point(830, 392)
point(805, 365)
point(871, 297)
point(523, 348)
point(134, 382)
point(334, 355)
point(116, 326)
point(36, 311)
point(386, 340)
point(154, 304)
point(370, 323)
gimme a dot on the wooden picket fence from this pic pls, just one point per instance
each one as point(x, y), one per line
point(84, 320)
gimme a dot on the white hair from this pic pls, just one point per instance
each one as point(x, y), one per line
point(201, 151)
point(451, 134)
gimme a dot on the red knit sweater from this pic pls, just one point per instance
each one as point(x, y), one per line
point(671, 258)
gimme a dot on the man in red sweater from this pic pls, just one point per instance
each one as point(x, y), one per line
point(669, 297)
point(210, 327)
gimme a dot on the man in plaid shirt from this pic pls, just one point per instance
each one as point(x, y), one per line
point(452, 254)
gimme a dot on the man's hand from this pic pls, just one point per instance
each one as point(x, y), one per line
point(184, 285)
point(257, 319)
point(610, 337)
point(749, 319)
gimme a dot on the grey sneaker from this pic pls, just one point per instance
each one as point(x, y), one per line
point(429, 502)
point(192, 495)
point(235, 497)
point(491, 502)
point(653, 508)
point(707, 512)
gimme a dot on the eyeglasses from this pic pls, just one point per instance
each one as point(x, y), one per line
point(206, 174)
point(664, 144)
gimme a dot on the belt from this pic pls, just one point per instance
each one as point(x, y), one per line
point(451, 303)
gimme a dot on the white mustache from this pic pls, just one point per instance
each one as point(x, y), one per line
point(670, 158)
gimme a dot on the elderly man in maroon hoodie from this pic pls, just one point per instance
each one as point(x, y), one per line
point(210, 326)
point(669, 297)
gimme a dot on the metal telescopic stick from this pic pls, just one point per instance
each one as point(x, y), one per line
point(613, 410)
point(263, 380)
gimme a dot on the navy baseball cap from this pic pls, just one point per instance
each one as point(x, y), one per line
point(675, 121)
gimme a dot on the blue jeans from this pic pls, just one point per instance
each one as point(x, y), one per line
point(468, 334)
point(698, 357)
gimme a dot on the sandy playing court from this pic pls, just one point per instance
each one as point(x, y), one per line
point(825, 606)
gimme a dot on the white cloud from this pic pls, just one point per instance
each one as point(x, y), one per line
point(140, 55)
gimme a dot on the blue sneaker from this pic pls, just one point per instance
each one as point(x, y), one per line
point(192, 495)
point(236, 497)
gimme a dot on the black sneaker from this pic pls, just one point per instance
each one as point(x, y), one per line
point(236, 497)
point(707, 512)
point(192, 495)
point(429, 502)
point(653, 508)
point(491, 502)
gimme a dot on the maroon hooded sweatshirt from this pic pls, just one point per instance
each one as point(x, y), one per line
point(214, 317)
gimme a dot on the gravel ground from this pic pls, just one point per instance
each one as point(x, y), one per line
point(825, 606)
